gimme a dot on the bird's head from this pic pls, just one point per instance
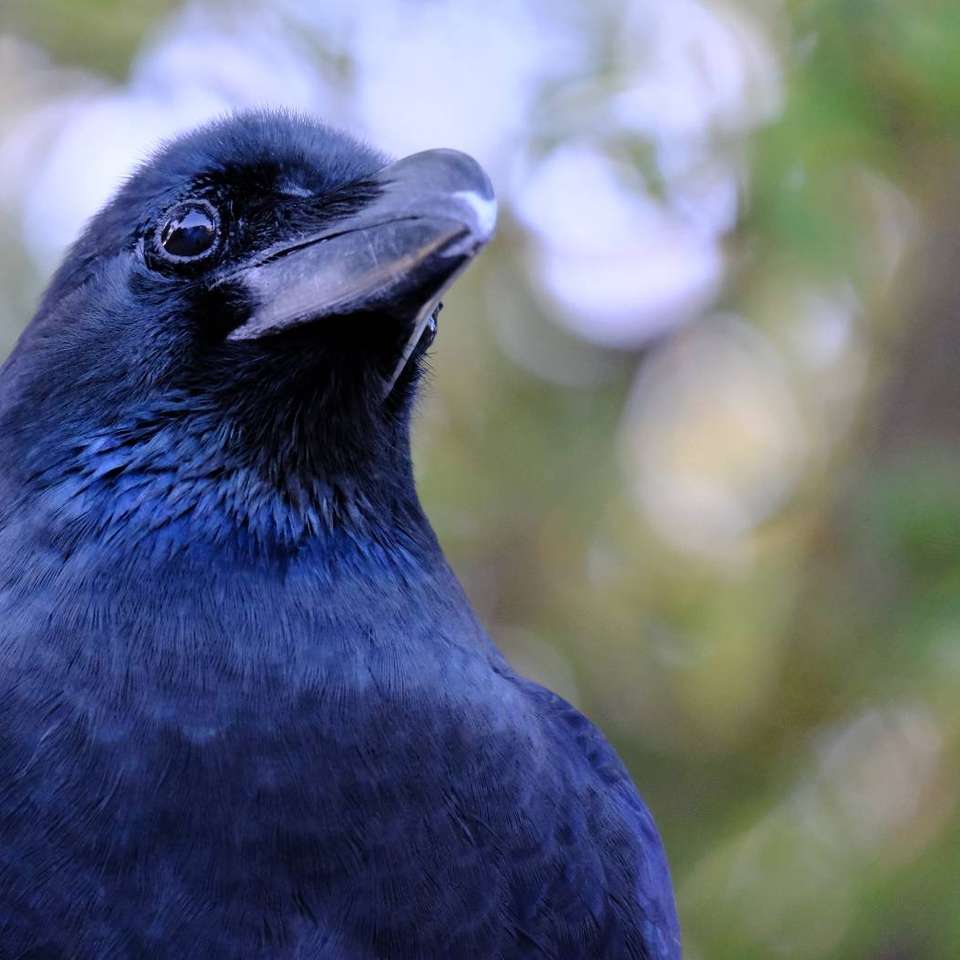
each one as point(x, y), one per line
point(253, 304)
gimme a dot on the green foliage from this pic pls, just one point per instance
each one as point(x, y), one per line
point(100, 35)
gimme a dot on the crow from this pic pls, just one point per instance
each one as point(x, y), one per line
point(246, 710)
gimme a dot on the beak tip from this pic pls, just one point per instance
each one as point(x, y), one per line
point(480, 211)
point(463, 187)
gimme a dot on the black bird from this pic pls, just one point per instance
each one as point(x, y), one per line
point(245, 708)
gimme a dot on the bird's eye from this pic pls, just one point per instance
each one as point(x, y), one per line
point(190, 232)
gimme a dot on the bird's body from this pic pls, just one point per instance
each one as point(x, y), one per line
point(245, 708)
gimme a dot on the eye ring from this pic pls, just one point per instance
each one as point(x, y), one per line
point(189, 233)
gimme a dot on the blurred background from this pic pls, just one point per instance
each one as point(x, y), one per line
point(693, 433)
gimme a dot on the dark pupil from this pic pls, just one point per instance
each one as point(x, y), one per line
point(189, 233)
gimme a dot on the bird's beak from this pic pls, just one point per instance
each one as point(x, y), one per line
point(429, 215)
